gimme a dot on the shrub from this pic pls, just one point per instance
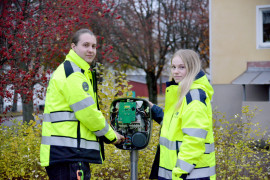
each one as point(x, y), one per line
point(237, 157)
point(19, 151)
point(112, 85)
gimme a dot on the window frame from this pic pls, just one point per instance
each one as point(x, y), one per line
point(259, 27)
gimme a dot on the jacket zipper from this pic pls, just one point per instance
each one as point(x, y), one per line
point(78, 135)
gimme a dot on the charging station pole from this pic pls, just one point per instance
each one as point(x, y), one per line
point(134, 164)
point(134, 156)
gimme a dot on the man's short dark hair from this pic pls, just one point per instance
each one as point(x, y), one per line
point(76, 35)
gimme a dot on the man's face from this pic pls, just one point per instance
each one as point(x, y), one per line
point(86, 47)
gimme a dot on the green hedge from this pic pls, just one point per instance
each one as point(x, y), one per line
point(19, 151)
point(238, 154)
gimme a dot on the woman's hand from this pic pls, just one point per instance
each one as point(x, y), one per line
point(150, 103)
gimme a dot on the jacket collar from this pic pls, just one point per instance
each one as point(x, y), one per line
point(169, 83)
point(74, 57)
point(198, 76)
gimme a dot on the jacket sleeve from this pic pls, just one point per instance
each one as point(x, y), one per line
point(195, 126)
point(79, 94)
point(157, 113)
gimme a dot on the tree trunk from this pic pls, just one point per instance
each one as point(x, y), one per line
point(1, 104)
point(14, 105)
point(152, 86)
point(160, 85)
point(27, 109)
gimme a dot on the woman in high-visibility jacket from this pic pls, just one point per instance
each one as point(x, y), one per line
point(186, 145)
point(74, 128)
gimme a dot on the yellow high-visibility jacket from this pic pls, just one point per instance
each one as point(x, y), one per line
point(186, 140)
point(72, 122)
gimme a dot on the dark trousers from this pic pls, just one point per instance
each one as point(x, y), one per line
point(68, 171)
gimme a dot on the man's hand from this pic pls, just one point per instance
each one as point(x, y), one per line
point(119, 137)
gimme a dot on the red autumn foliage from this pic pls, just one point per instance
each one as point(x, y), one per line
point(34, 38)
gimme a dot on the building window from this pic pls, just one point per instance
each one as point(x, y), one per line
point(263, 26)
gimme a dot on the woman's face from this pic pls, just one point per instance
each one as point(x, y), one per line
point(86, 47)
point(178, 69)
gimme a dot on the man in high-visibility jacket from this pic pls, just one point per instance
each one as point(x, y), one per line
point(74, 128)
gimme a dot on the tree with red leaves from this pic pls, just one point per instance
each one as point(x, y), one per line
point(147, 32)
point(34, 39)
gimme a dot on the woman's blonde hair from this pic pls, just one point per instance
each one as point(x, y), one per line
point(193, 66)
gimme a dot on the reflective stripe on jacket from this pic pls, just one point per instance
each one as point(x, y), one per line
point(72, 121)
point(186, 140)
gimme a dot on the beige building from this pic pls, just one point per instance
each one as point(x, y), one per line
point(240, 56)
